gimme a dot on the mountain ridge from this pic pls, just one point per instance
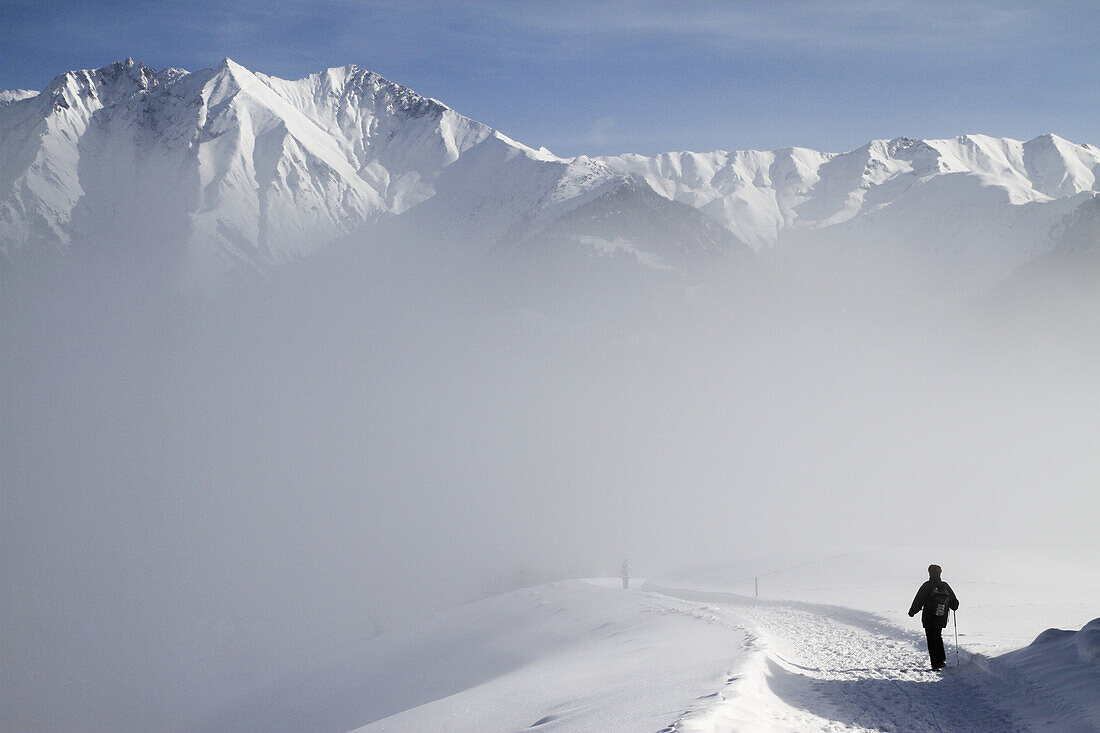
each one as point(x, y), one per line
point(226, 168)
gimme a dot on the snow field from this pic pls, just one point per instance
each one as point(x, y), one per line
point(595, 659)
point(842, 654)
point(692, 657)
point(816, 672)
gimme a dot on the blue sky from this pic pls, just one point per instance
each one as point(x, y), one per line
point(583, 76)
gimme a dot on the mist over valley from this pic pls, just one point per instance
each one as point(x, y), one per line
point(288, 366)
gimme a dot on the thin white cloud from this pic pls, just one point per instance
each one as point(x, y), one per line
point(850, 24)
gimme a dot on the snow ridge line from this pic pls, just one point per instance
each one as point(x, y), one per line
point(824, 667)
point(849, 616)
point(258, 170)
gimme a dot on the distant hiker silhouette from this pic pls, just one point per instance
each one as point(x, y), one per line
point(934, 600)
point(626, 574)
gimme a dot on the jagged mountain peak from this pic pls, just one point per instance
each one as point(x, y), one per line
point(259, 170)
point(107, 85)
point(91, 79)
point(350, 87)
point(228, 65)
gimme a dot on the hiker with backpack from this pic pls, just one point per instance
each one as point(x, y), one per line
point(935, 600)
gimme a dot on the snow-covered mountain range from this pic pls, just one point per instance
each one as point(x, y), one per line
point(227, 168)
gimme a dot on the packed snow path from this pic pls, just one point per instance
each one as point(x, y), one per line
point(828, 669)
point(589, 657)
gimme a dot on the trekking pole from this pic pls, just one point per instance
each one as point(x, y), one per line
point(955, 617)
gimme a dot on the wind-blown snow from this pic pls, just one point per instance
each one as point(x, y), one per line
point(1063, 666)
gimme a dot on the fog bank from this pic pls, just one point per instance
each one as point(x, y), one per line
point(204, 494)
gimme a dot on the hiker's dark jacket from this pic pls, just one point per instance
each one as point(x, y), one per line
point(923, 601)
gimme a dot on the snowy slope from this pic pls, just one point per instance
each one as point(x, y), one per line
point(569, 656)
point(935, 217)
point(1062, 665)
point(1055, 294)
point(760, 194)
point(840, 645)
point(247, 168)
point(225, 168)
point(7, 96)
point(996, 615)
point(673, 656)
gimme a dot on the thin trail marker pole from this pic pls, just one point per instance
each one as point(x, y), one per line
point(955, 617)
point(756, 586)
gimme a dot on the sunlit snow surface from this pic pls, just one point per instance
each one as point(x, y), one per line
point(230, 169)
point(695, 651)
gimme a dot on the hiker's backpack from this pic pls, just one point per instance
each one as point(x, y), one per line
point(940, 602)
